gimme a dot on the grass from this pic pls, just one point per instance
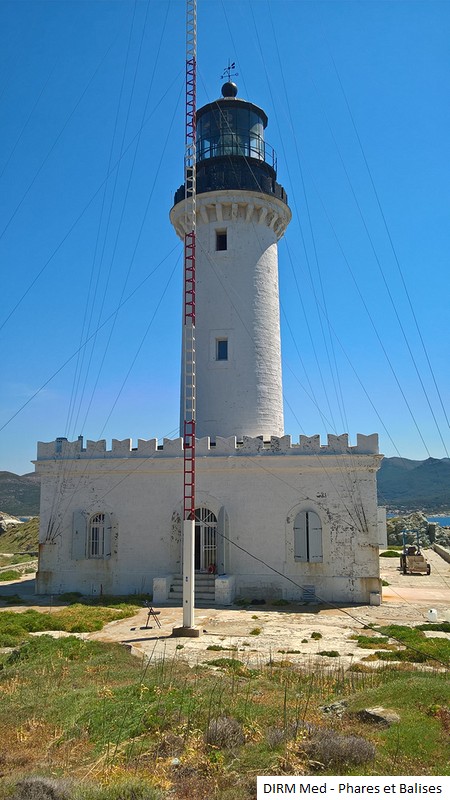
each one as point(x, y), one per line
point(390, 554)
point(402, 643)
point(434, 626)
point(90, 710)
point(414, 696)
point(13, 559)
point(16, 627)
point(371, 642)
point(9, 575)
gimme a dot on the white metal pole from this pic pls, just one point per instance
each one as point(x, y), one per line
point(188, 573)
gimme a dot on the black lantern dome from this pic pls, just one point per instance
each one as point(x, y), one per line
point(231, 150)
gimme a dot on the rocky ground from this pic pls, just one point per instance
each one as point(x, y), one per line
point(260, 633)
point(406, 601)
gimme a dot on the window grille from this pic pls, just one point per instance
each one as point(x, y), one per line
point(96, 536)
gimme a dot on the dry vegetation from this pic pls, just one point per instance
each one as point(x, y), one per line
point(129, 730)
point(22, 538)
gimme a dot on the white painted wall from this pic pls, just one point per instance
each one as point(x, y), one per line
point(237, 298)
point(262, 488)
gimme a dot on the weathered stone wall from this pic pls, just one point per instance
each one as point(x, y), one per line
point(444, 552)
point(262, 487)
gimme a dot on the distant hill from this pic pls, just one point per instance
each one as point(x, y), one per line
point(19, 494)
point(406, 485)
point(22, 538)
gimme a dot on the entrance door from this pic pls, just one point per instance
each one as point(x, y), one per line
point(205, 539)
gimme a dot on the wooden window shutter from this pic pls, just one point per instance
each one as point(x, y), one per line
point(315, 537)
point(300, 543)
point(79, 528)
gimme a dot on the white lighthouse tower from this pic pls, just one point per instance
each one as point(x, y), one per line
point(242, 212)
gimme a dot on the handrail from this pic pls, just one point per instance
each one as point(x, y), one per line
point(237, 143)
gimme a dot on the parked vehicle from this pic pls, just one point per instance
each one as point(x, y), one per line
point(411, 559)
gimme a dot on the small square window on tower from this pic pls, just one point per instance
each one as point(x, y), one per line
point(221, 349)
point(221, 240)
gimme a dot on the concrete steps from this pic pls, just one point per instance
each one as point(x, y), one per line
point(204, 588)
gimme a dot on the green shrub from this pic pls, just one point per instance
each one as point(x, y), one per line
point(9, 575)
point(316, 635)
point(390, 554)
point(329, 653)
point(255, 632)
point(372, 642)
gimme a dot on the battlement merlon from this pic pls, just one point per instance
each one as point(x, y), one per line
point(62, 449)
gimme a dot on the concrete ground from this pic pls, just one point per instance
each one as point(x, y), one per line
point(259, 633)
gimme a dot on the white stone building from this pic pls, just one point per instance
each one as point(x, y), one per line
point(274, 519)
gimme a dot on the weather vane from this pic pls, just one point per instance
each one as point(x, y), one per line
point(227, 73)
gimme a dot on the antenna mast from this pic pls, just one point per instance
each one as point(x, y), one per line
point(189, 321)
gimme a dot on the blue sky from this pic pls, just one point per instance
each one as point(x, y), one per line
point(92, 130)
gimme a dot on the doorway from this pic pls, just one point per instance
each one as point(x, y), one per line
point(205, 540)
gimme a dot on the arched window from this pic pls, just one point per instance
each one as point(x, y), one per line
point(205, 540)
point(96, 536)
point(308, 537)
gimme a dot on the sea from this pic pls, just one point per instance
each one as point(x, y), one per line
point(444, 521)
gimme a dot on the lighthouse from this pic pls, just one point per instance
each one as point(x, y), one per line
point(241, 213)
point(274, 517)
